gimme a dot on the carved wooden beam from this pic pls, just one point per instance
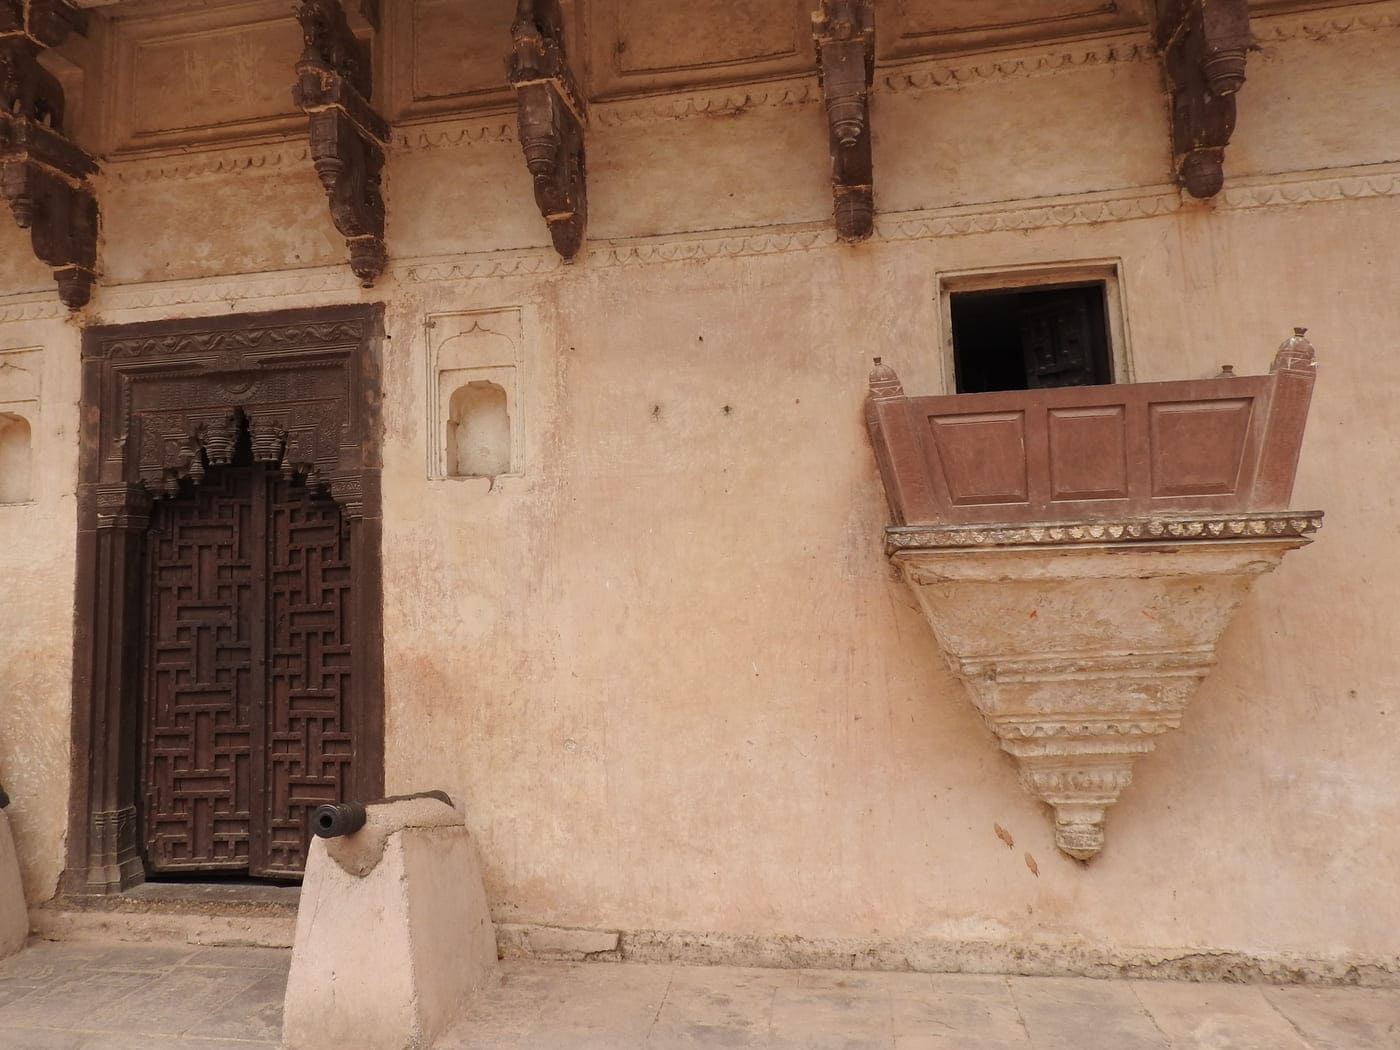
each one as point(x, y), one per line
point(552, 118)
point(845, 36)
point(43, 176)
point(334, 87)
point(1203, 45)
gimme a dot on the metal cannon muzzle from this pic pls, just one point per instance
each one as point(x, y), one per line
point(335, 819)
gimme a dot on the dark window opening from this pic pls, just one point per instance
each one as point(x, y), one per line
point(1027, 338)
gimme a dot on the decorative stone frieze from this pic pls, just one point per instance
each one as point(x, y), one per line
point(845, 35)
point(552, 117)
point(334, 86)
point(43, 175)
point(1079, 552)
point(1203, 45)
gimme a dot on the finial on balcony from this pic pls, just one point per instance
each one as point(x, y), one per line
point(1295, 354)
point(884, 382)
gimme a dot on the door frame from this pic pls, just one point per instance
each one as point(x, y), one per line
point(154, 394)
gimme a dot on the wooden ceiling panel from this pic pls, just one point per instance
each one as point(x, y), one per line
point(636, 48)
point(912, 28)
point(199, 76)
point(447, 55)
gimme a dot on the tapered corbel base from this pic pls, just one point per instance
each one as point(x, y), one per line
point(1080, 644)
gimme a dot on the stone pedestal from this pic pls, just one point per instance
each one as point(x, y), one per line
point(14, 916)
point(393, 933)
point(1079, 654)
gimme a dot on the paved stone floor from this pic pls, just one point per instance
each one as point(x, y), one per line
point(86, 996)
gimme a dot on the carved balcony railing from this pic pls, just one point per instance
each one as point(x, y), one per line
point(1079, 552)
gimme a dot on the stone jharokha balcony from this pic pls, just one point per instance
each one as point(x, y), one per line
point(1079, 552)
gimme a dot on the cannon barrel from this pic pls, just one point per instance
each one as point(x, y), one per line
point(336, 819)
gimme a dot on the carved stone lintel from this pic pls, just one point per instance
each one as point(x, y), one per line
point(334, 87)
point(1203, 45)
point(845, 37)
point(552, 117)
point(43, 176)
point(1079, 655)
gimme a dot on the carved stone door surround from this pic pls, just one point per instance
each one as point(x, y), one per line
point(158, 402)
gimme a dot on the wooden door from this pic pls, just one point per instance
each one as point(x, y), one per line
point(247, 673)
point(1062, 340)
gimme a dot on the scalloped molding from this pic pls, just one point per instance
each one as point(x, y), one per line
point(280, 154)
point(1319, 25)
point(924, 75)
point(1287, 189)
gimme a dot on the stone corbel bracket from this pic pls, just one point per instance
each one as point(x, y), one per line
point(1081, 634)
point(552, 117)
point(43, 175)
point(845, 36)
point(334, 87)
point(1203, 45)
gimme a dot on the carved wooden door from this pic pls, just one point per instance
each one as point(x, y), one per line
point(247, 673)
point(1061, 338)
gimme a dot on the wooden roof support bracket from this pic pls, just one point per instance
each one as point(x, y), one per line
point(1203, 45)
point(552, 117)
point(43, 175)
point(845, 37)
point(334, 87)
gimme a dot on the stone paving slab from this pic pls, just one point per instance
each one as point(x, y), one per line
point(105, 996)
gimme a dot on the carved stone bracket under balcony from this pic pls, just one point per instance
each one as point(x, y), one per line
point(845, 37)
point(552, 117)
point(1203, 45)
point(334, 87)
point(43, 175)
point(1079, 552)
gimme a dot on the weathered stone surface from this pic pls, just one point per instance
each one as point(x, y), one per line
point(1079, 656)
point(14, 916)
point(393, 933)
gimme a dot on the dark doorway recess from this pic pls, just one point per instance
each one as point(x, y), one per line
point(228, 665)
point(1027, 338)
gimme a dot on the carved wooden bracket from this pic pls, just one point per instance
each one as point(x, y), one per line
point(845, 35)
point(334, 87)
point(552, 118)
point(43, 176)
point(1203, 44)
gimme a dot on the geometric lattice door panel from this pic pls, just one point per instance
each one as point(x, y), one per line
point(247, 673)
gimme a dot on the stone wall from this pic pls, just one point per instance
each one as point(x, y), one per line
point(664, 660)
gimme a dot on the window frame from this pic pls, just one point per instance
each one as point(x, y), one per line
point(1107, 272)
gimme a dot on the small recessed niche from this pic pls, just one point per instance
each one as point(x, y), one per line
point(475, 413)
point(478, 431)
point(16, 459)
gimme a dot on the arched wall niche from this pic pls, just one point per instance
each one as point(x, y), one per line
point(474, 425)
point(16, 459)
point(19, 425)
point(163, 401)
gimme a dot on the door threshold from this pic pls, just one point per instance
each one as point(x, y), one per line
point(203, 913)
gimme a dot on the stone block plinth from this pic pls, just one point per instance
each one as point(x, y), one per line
point(14, 917)
point(393, 933)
